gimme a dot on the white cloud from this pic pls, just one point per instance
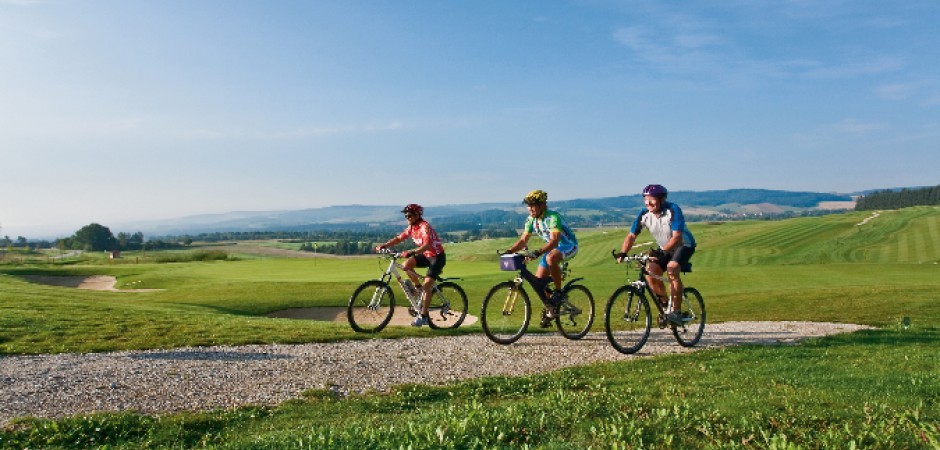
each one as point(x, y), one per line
point(853, 126)
point(316, 131)
point(682, 52)
point(838, 134)
point(895, 92)
point(880, 65)
point(19, 2)
point(632, 37)
point(696, 40)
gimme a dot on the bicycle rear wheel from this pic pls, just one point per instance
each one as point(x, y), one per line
point(576, 314)
point(693, 318)
point(627, 320)
point(448, 306)
point(370, 307)
point(506, 313)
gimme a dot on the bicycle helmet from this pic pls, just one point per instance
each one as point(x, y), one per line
point(413, 208)
point(535, 197)
point(655, 190)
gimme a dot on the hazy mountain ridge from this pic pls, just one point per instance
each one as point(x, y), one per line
point(709, 201)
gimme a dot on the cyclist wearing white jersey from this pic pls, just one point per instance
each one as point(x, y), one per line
point(666, 223)
point(561, 243)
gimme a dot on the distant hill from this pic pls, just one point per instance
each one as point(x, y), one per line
point(716, 198)
point(703, 205)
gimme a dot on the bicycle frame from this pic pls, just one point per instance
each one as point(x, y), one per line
point(394, 270)
point(371, 306)
point(540, 284)
point(629, 338)
point(642, 285)
point(504, 324)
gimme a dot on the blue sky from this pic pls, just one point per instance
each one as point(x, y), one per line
point(120, 111)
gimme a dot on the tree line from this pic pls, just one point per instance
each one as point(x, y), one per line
point(358, 238)
point(96, 237)
point(895, 199)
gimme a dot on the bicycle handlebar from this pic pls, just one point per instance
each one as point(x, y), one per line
point(387, 252)
point(528, 254)
point(625, 257)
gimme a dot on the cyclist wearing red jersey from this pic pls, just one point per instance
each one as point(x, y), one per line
point(430, 254)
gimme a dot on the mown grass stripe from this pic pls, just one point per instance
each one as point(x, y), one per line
point(933, 236)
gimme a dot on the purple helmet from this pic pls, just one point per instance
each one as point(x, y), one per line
point(655, 190)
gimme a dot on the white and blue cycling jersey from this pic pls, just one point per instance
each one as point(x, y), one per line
point(661, 226)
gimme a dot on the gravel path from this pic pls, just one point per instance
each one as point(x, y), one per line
point(191, 379)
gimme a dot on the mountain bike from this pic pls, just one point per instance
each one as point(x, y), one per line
point(627, 318)
point(507, 309)
point(372, 304)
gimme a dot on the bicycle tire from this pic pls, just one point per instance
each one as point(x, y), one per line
point(576, 314)
point(627, 320)
point(364, 318)
point(448, 307)
point(693, 314)
point(500, 317)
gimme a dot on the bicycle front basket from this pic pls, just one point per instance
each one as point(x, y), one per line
point(511, 262)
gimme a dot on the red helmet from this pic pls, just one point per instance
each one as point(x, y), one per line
point(655, 190)
point(414, 209)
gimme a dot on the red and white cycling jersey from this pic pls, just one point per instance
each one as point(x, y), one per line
point(421, 233)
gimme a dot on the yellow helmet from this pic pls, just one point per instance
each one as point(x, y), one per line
point(535, 197)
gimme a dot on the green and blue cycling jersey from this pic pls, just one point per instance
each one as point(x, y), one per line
point(545, 225)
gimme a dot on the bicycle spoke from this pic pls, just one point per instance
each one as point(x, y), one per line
point(576, 313)
point(627, 320)
point(370, 307)
point(693, 318)
point(505, 313)
point(448, 307)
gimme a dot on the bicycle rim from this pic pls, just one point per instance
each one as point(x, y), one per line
point(370, 307)
point(448, 306)
point(693, 318)
point(627, 320)
point(576, 314)
point(506, 312)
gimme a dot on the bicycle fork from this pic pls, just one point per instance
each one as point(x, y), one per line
point(376, 301)
point(509, 305)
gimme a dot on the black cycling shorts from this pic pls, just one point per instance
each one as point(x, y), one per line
point(434, 264)
point(681, 255)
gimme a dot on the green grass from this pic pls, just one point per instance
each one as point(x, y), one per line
point(873, 389)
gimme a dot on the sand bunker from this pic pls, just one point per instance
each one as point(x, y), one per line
point(338, 314)
point(93, 283)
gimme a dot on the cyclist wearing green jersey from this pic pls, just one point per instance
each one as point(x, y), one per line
point(561, 243)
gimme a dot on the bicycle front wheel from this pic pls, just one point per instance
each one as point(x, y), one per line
point(576, 313)
point(448, 306)
point(506, 313)
point(627, 320)
point(370, 307)
point(693, 318)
